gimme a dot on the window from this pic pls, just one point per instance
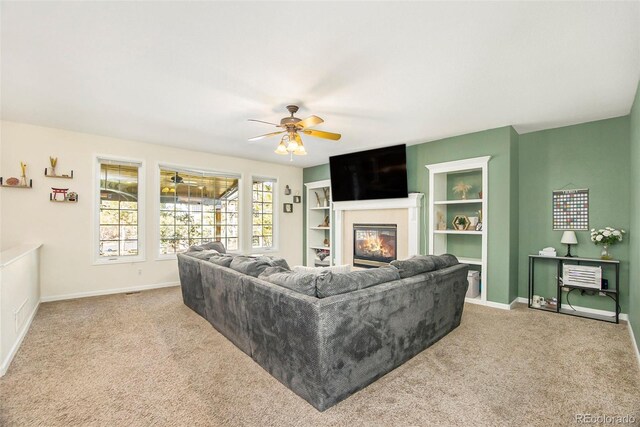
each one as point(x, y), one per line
point(197, 207)
point(263, 213)
point(119, 228)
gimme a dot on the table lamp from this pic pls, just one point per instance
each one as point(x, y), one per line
point(569, 238)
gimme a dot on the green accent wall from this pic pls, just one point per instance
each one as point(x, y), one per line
point(592, 155)
point(503, 231)
point(634, 201)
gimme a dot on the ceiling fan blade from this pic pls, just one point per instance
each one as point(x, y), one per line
point(255, 138)
point(262, 121)
point(309, 121)
point(322, 134)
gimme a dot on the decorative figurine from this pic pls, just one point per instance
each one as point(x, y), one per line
point(462, 189)
point(23, 177)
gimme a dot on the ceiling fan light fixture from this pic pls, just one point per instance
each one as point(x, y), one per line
point(282, 149)
point(292, 146)
point(300, 151)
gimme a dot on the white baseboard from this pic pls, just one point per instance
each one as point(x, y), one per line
point(623, 316)
point(23, 333)
point(500, 305)
point(108, 291)
point(633, 341)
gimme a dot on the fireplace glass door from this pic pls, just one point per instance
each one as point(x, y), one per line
point(374, 245)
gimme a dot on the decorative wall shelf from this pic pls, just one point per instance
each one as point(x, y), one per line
point(64, 201)
point(2, 184)
point(64, 176)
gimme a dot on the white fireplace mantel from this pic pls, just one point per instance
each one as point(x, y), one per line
point(413, 204)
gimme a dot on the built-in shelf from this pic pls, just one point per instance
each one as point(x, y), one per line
point(445, 208)
point(319, 193)
point(457, 202)
point(479, 233)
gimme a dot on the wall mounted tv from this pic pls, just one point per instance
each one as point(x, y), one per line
point(371, 174)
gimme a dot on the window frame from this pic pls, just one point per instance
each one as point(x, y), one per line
point(191, 169)
point(276, 212)
point(98, 159)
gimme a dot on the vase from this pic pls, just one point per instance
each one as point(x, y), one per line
point(605, 252)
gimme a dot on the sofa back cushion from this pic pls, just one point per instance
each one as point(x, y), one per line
point(304, 283)
point(202, 254)
point(255, 266)
point(317, 270)
point(423, 264)
point(329, 283)
point(217, 246)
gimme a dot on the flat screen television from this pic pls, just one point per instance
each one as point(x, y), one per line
point(371, 174)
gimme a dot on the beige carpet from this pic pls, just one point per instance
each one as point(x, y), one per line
point(146, 359)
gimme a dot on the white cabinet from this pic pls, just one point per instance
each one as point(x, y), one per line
point(458, 213)
point(319, 223)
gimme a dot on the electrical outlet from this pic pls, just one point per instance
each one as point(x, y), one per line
point(564, 289)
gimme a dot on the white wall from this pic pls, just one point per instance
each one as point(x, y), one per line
point(19, 298)
point(66, 229)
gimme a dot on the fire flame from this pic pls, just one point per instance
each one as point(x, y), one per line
point(374, 245)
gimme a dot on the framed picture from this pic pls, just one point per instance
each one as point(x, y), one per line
point(479, 226)
point(297, 199)
point(287, 208)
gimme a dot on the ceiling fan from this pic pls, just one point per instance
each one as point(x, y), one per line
point(291, 142)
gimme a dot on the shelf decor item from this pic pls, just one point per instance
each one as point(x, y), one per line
point(606, 237)
point(327, 195)
point(13, 181)
point(442, 225)
point(569, 238)
point(462, 189)
point(317, 199)
point(54, 195)
point(460, 222)
point(53, 161)
point(23, 177)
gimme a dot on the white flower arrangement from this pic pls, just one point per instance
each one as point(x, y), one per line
point(606, 236)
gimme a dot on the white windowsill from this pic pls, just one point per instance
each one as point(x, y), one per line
point(118, 260)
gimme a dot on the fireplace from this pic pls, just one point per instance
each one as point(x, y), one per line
point(374, 244)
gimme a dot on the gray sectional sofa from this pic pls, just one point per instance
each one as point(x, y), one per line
point(325, 348)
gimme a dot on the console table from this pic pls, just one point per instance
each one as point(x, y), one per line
point(612, 292)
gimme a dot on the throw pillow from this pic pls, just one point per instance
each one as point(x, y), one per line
point(250, 266)
point(423, 264)
point(304, 283)
point(222, 259)
point(329, 283)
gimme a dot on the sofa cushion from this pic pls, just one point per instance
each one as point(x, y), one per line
point(329, 283)
point(221, 259)
point(277, 262)
point(423, 264)
point(217, 246)
point(203, 254)
point(317, 270)
point(305, 283)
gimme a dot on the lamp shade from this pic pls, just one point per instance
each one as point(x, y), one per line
point(569, 238)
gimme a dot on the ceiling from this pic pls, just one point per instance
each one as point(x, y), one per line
point(381, 73)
